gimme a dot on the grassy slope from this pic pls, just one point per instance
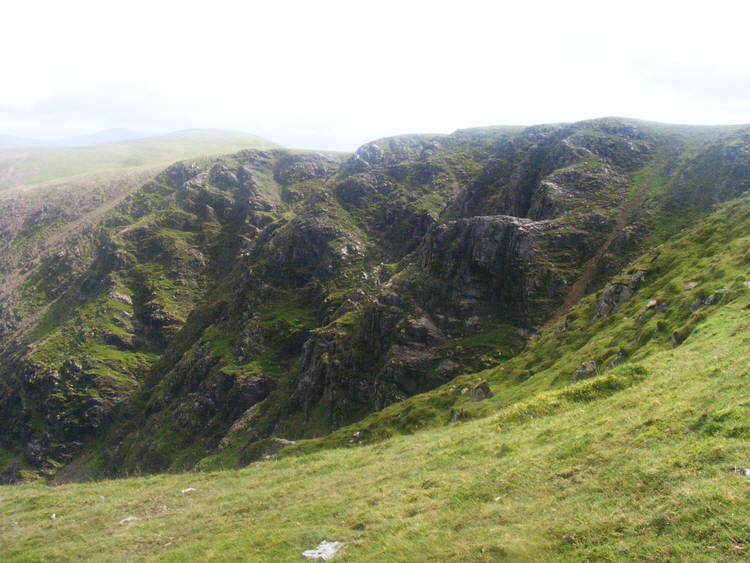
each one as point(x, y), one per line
point(637, 463)
point(643, 473)
point(26, 167)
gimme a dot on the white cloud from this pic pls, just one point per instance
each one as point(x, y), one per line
point(334, 74)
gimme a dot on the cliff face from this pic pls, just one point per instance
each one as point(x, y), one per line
point(279, 293)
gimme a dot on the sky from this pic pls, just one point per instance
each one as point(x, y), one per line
point(333, 75)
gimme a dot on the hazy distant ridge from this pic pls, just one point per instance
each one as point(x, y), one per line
point(26, 165)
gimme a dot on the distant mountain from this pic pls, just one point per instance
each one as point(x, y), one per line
point(105, 136)
point(13, 141)
point(23, 165)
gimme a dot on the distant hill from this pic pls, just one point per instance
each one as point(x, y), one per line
point(105, 136)
point(24, 166)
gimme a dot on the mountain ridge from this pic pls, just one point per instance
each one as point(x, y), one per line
point(289, 293)
point(644, 458)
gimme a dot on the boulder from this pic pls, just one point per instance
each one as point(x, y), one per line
point(696, 304)
point(585, 370)
point(715, 297)
point(615, 294)
point(676, 339)
point(480, 392)
point(617, 360)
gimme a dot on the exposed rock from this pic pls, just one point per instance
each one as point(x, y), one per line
point(615, 294)
point(448, 367)
point(123, 298)
point(676, 339)
point(128, 520)
point(691, 285)
point(651, 304)
point(716, 297)
point(617, 360)
point(456, 415)
point(696, 304)
point(746, 283)
point(585, 371)
point(325, 551)
point(480, 392)
point(284, 293)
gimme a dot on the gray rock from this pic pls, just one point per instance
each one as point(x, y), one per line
point(716, 297)
point(615, 294)
point(691, 285)
point(676, 339)
point(447, 367)
point(480, 392)
point(696, 304)
point(457, 415)
point(638, 278)
point(746, 283)
point(122, 297)
point(617, 360)
point(584, 371)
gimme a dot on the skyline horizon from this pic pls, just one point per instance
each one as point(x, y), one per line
point(76, 140)
point(332, 75)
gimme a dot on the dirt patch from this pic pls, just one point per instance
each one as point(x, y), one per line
point(578, 289)
point(74, 472)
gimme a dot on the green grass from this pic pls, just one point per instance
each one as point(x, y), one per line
point(713, 253)
point(642, 469)
point(266, 364)
point(637, 463)
point(291, 313)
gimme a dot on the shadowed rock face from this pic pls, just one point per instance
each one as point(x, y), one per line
point(282, 293)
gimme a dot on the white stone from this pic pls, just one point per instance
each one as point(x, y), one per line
point(188, 490)
point(326, 550)
point(128, 519)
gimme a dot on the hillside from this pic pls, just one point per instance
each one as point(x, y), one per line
point(234, 303)
point(80, 185)
point(27, 166)
point(643, 459)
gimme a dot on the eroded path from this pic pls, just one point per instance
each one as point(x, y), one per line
point(578, 289)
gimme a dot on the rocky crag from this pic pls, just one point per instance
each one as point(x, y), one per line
point(232, 302)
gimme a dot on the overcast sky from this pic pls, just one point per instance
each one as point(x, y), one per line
point(332, 75)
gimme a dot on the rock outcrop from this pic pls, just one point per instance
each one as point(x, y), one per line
point(281, 293)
